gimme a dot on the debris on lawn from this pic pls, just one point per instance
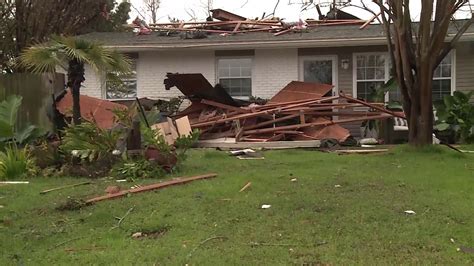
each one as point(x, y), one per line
point(72, 205)
point(247, 154)
point(467, 250)
point(301, 111)
point(410, 212)
point(294, 180)
point(120, 219)
point(112, 189)
point(92, 109)
point(64, 187)
point(151, 233)
point(245, 186)
point(266, 206)
point(337, 186)
point(176, 181)
point(204, 242)
point(360, 151)
point(13, 182)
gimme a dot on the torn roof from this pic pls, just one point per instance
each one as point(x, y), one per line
point(321, 36)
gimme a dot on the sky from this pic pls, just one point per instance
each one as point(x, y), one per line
point(290, 10)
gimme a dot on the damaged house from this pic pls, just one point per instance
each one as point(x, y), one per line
point(256, 61)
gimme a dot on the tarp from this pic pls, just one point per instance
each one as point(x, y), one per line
point(92, 109)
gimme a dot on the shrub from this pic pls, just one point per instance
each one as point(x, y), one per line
point(15, 163)
point(456, 114)
point(89, 142)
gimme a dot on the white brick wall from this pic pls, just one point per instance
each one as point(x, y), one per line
point(94, 83)
point(153, 66)
point(273, 69)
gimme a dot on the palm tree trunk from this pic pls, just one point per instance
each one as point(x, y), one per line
point(75, 77)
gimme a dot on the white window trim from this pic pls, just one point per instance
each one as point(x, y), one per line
point(354, 71)
point(387, 70)
point(216, 71)
point(453, 72)
point(333, 58)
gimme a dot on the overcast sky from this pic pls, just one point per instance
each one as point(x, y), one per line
point(290, 10)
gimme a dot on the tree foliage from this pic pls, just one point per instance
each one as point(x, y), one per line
point(25, 22)
point(72, 54)
point(416, 50)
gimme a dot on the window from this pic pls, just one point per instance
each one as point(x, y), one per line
point(235, 75)
point(122, 86)
point(371, 72)
point(442, 79)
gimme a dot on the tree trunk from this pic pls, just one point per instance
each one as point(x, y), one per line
point(420, 119)
point(75, 78)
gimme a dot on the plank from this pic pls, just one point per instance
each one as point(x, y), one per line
point(177, 181)
point(256, 145)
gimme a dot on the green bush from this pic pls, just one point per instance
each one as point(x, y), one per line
point(455, 113)
point(89, 142)
point(15, 163)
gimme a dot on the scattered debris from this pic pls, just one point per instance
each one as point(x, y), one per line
point(337, 186)
point(293, 180)
point(14, 182)
point(467, 250)
point(112, 190)
point(204, 242)
point(92, 109)
point(64, 187)
point(151, 233)
point(176, 181)
point(301, 111)
point(93, 248)
point(120, 219)
point(266, 206)
point(247, 154)
point(410, 212)
point(71, 205)
point(357, 151)
point(245, 187)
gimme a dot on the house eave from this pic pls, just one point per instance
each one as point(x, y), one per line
point(266, 44)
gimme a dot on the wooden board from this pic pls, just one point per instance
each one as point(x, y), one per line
point(183, 126)
point(265, 145)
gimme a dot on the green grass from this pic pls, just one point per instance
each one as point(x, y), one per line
point(310, 221)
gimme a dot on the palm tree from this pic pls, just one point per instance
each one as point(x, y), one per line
point(71, 54)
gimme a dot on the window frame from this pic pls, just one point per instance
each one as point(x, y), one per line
point(335, 71)
point(354, 71)
point(252, 68)
point(134, 60)
point(387, 71)
point(452, 53)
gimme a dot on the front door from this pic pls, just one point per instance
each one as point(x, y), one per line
point(319, 69)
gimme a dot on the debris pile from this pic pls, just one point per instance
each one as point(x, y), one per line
point(226, 23)
point(300, 111)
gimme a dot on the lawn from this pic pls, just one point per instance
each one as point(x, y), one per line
point(342, 209)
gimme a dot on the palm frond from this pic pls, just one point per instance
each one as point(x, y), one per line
point(40, 58)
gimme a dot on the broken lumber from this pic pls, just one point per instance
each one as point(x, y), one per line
point(373, 106)
point(63, 187)
point(177, 181)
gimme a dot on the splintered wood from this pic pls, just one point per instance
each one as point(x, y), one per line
point(306, 114)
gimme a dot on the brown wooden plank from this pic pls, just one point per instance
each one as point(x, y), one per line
point(177, 181)
point(327, 123)
point(225, 106)
point(378, 108)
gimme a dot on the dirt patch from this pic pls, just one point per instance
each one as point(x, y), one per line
point(71, 205)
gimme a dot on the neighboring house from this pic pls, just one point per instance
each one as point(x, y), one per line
point(260, 64)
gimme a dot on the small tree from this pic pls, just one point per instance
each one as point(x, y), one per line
point(152, 7)
point(416, 50)
point(72, 54)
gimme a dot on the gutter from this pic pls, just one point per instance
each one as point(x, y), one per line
point(269, 44)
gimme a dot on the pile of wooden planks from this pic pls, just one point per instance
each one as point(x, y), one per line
point(302, 118)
